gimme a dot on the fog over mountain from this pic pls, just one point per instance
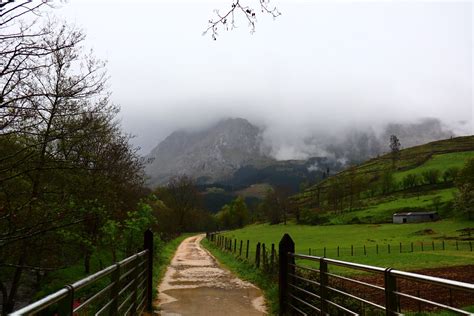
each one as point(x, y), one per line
point(215, 153)
point(315, 74)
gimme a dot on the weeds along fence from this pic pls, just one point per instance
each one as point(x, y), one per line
point(315, 285)
point(263, 256)
point(124, 288)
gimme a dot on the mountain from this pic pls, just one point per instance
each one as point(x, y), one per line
point(233, 153)
point(208, 155)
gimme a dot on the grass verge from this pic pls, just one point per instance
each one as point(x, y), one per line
point(248, 272)
point(165, 253)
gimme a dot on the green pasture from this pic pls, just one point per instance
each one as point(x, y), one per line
point(382, 210)
point(351, 240)
point(440, 162)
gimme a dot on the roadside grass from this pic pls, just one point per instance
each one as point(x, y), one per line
point(162, 260)
point(248, 272)
point(330, 237)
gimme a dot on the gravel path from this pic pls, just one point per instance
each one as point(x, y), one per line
point(196, 284)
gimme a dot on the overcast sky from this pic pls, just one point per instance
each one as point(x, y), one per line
point(320, 65)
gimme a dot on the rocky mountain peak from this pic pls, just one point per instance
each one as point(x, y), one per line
point(207, 155)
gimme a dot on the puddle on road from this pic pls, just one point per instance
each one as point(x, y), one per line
point(212, 301)
point(194, 284)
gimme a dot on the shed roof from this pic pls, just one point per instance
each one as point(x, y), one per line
point(415, 213)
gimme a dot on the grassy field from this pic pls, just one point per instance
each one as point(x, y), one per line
point(382, 210)
point(374, 207)
point(344, 236)
point(441, 162)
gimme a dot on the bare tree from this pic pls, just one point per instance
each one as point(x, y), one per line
point(227, 21)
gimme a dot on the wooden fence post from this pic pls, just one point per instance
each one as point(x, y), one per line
point(272, 258)
point(352, 250)
point(338, 251)
point(235, 245)
point(390, 296)
point(240, 249)
point(257, 255)
point(247, 251)
point(324, 282)
point(65, 306)
point(264, 256)
point(148, 244)
point(285, 246)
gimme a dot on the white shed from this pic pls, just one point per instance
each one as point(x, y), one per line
point(415, 217)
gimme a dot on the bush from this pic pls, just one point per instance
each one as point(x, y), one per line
point(450, 174)
point(410, 181)
point(431, 176)
point(310, 217)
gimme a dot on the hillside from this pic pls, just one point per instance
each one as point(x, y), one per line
point(372, 191)
point(207, 155)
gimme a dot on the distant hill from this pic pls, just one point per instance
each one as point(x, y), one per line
point(358, 193)
point(234, 153)
point(208, 155)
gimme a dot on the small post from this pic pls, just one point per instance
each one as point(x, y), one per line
point(240, 248)
point(264, 256)
point(65, 306)
point(443, 244)
point(257, 255)
point(285, 246)
point(272, 258)
point(390, 296)
point(352, 250)
point(235, 245)
point(412, 246)
point(400, 247)
point(457, 245)
point(247, 251)
point(323, 270)
point(148, 244)
point(470, 245)
point(338, 251)
point(324, 252)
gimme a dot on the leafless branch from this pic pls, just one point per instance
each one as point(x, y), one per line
point(227, 20)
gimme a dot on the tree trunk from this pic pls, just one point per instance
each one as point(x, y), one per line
point(87, 262)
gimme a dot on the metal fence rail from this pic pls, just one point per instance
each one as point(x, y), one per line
point(129, 291)
point(306, 290)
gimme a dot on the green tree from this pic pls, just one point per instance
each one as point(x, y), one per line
point(464, 202)
point(431, 176)
point(409, 181)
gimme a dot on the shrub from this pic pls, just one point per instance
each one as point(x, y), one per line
point(431, 176)
point(310, 217)
point(410, 181)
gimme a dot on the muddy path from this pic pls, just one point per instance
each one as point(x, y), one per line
point(195, 284)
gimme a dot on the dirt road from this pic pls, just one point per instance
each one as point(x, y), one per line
point(195, 284)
